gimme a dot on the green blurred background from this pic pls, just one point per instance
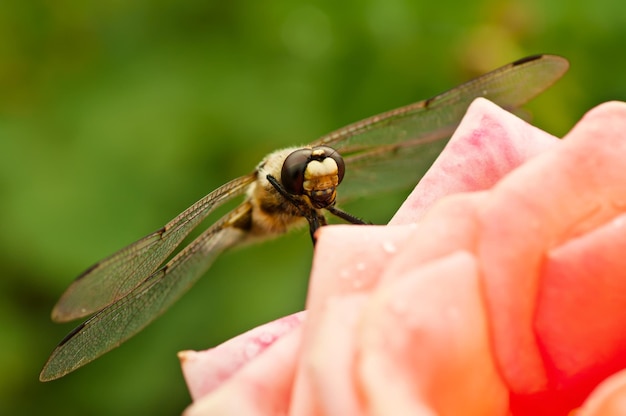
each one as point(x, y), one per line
point(115, 116)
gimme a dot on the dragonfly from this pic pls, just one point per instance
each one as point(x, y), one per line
point(126, 291)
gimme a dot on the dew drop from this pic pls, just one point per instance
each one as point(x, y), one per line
point(620, 221)
point(389, 247)
point(266, 338)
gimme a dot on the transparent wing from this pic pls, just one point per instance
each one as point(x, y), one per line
point(127, 316)
point(393, 150)
point(114, 277)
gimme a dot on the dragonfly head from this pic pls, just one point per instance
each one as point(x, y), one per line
point(314, 172)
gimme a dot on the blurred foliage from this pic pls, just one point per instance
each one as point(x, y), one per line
point(115, 116)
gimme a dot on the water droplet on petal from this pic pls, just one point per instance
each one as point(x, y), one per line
point(620, 221)
point(389, 247)
point(266, 338)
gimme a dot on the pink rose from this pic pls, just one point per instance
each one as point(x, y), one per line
point(498, 288)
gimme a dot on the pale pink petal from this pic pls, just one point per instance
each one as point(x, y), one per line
point(449, 226)
point(206, 370)
point(489, 143)
point(553, 197)
point(424, 345)
point(262, 387)
point(348, 261)
point(326, 372)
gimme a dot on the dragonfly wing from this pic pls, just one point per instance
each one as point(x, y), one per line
point(127, 316)
point(394, 149)
point(114, 277)
point(387, 170)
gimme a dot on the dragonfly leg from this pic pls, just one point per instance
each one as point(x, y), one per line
point(281, 190)
point(315, 219)
point(315, 222)
point(346, 216)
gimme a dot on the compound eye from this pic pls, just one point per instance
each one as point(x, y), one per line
point(292, 173)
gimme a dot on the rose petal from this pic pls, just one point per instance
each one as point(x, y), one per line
point(553, 197)
point(262, 387)
point(348, 261)
point(327, 364)
point(204, 371)
point(609, 399)
point(449, 226)
point(424, 346)
point(489, 143)
point(580, 308)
